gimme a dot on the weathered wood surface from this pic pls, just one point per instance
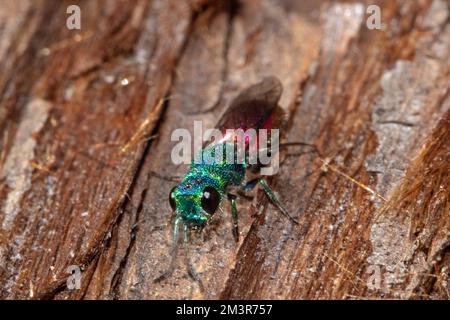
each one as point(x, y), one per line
point(375, 102)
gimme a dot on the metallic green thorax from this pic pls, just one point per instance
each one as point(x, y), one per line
point(216, 174)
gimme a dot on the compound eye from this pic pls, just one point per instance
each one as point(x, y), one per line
point(173, 205)
point(210, 200)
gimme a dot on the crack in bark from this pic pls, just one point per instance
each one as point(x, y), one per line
point(397, 122)
point(232, 11)
point(118, 275)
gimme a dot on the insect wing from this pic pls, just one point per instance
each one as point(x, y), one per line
point(254, 107)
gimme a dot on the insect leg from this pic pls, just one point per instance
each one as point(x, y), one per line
point(174, 251)
point(190, 267)
point(273, 198)
point(234, 216)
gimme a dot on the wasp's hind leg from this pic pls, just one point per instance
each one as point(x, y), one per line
point(271, 195)
point(174, 251)
point(190, 267)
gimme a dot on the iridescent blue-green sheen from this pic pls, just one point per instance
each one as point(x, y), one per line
point(207, 171)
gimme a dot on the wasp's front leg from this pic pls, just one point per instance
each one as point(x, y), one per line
point(234, 216)
point(190, 266)
point(174, 251)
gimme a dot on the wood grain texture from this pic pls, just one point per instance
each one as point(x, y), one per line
point(85, 124)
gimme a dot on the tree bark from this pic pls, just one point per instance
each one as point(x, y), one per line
point(85, 123)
